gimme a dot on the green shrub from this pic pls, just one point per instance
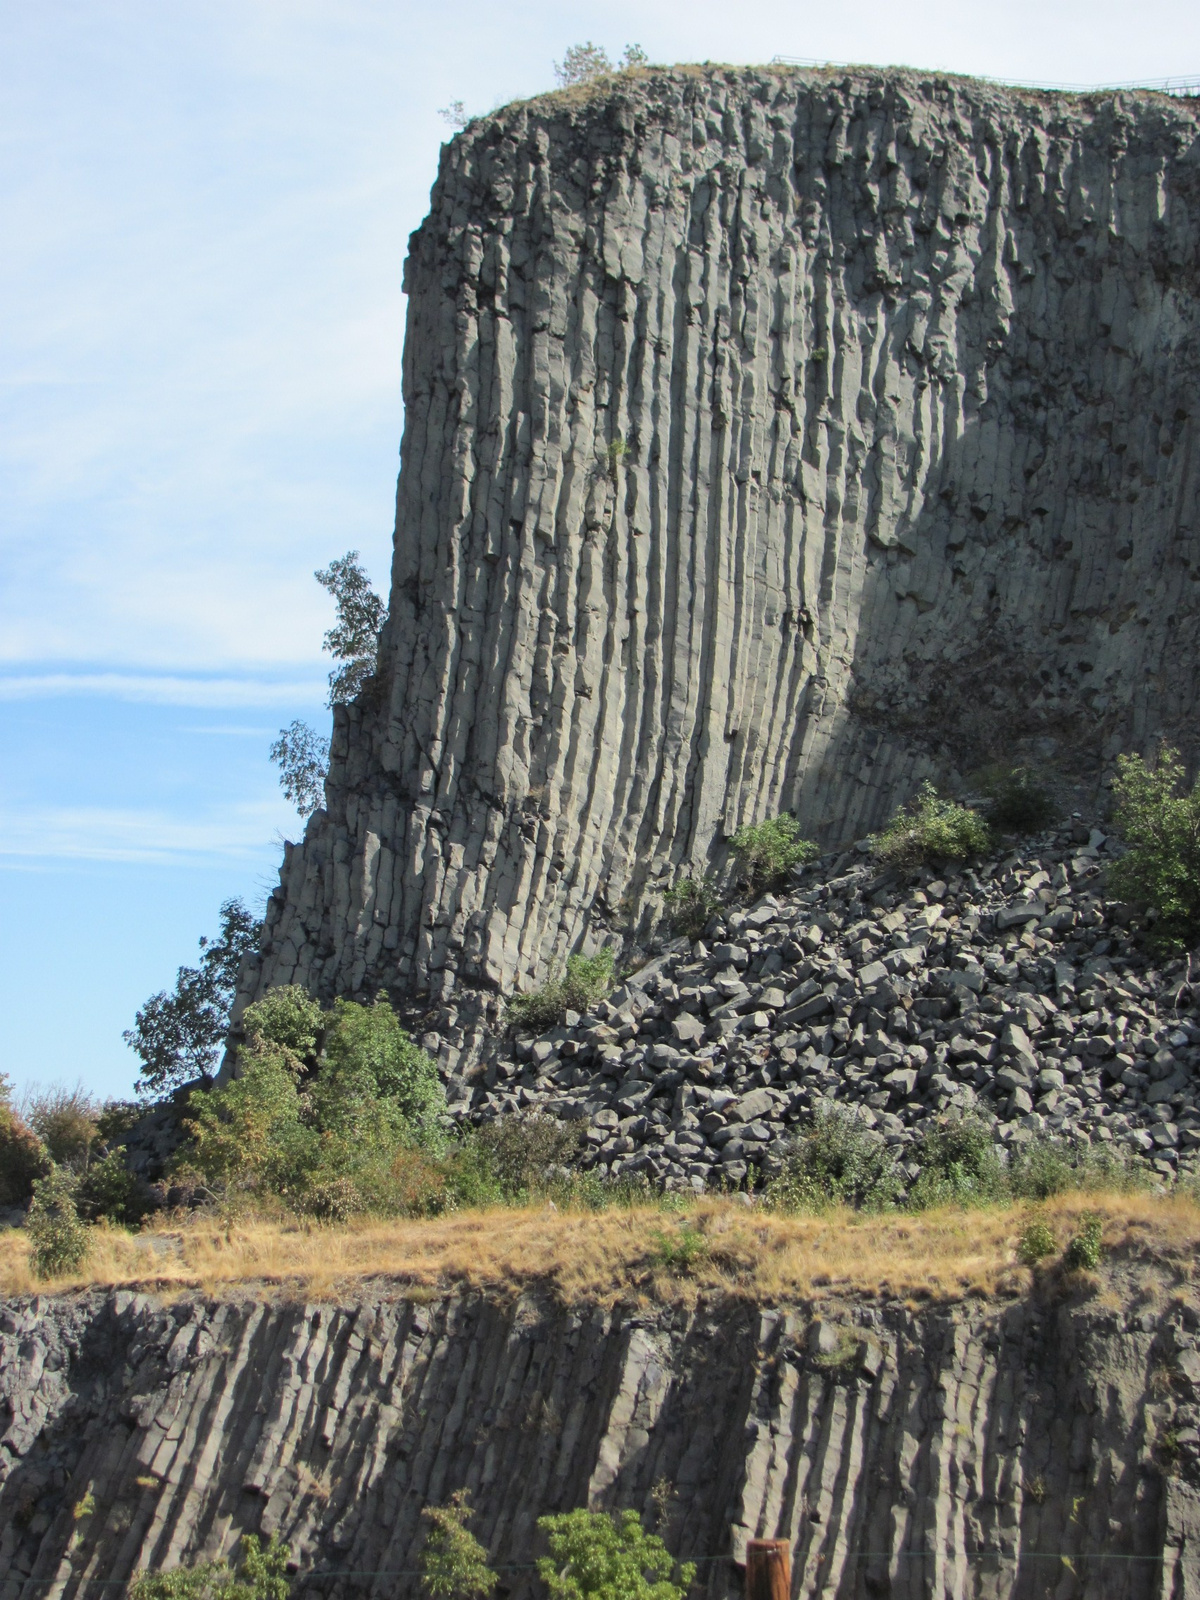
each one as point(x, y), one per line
point(108, 1189)
point(288, 1016)
point(1046, 1167)
point(610, 1558)
point(1037, 1242)
point(587, 979)
point(58, 1241)
point(959, 1164)
point(1159, 819)
point(261, 1575)
point(368, 1054)
point(768, 850)
point(22, 1157)
point(931, 829)
point(1018, 801)
point(680, 1250)
point(690, 904)
point(245, 1137)
point(453, 1562)
point(837, 1161)
point(1084, 1249)
point(521, 1152)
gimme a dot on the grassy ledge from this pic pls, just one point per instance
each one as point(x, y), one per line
point(643, 1253)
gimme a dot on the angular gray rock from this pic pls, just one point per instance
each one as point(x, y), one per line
point(774, 439)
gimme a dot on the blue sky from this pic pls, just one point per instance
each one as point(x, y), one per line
point(206, 206)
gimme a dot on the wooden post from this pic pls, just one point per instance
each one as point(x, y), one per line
point(768, 1569)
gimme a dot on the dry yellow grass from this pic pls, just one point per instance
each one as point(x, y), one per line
point(618, 1254)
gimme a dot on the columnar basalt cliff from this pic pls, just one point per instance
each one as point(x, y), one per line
point(773, 440)
point(1032, 1449)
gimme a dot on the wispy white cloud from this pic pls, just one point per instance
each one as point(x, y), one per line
point(166, 691)
point(53, 835)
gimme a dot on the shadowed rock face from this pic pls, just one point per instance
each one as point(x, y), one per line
point(773, 440)
point(1028, 1450)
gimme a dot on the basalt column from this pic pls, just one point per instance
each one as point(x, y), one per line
point(772, 440)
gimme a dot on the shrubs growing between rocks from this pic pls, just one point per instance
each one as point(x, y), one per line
point(1159, 818)
point(767, 851)
point(931, 829)
point(587, 979)
point(1018, 801)
point(690, 905)
point(838, 1160)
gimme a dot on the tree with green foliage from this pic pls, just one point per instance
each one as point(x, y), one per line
point(58, 1240)
point(595, 1556)
point(930, 829)
point(261, 1575)
point(302, 756)
point(354, 638)
point(1018, 800)
point(288, 1016)
point(22, 1155)
point(453, 1563)
point(178, 1036)
point(246, 1137)
point(1159, 818)
point(369, 1053)
point(584, 63)
point(767, 851)
point(587, 979)
point(300, 753)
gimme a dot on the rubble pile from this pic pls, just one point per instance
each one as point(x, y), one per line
point(1013, 990)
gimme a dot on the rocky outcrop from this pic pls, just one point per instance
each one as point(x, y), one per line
point(1014, 992)
point(1045, 1446)
point(773, 439)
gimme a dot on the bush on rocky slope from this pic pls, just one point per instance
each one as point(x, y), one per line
point(767, 851)
point(1160, 819)
point(587, 979)
point(931, 829)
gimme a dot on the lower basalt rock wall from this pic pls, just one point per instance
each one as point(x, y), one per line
point(1029, 1448)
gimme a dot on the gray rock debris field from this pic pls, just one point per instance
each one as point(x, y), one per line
point(1013, 991)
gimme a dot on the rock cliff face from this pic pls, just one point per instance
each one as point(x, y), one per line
point(773, 440)
point(1024, 1450)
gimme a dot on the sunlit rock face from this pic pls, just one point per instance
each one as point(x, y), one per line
point(773, 440)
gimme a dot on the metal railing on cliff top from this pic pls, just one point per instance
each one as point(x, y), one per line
point(1186, 88)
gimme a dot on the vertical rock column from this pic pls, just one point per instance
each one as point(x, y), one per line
point(773, 440)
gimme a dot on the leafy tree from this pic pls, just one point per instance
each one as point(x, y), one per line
point(302, 757)
point(1160, 820)
point(65, 1120)
point(58, 1241)
point(288, 1016)
point(521, 1149)
point(261, 1575)
point(108, 1189)
point(246, 1135)
point(178, 1035)
point(453, 1562)
point(22, 1156)
point(354, 638)
point(610, 1558)
point(959, 1164)
point(369, 1054)
point(583, 63)
point(300, 753)
point(766, 851)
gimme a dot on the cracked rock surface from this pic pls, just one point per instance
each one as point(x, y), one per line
point(774, 439)
point(1035, 1447)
